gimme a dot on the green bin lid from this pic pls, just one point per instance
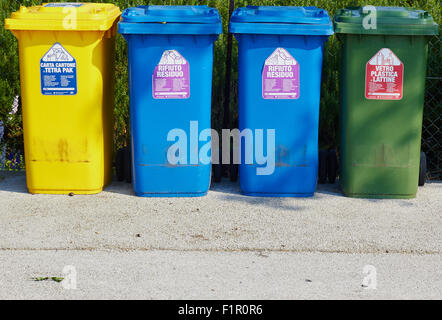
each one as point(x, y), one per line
point(385, 20)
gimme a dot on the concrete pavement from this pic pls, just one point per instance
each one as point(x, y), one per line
point(224, 245)
point(219, 275)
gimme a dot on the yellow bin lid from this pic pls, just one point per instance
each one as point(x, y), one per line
point(74, 16)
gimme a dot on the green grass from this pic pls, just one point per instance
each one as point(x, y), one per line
point(55, 279)
point(9, 67)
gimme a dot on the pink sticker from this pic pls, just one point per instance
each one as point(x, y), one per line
point(280, 76)
point(384, 76)
point(171, 78)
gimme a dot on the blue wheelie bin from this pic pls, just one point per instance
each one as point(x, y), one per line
point(170, 79)
point(280, 62)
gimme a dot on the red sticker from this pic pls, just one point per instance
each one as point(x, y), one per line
point(384, 76)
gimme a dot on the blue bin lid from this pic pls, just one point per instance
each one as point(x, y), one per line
point(170, 20)
point(281, 20)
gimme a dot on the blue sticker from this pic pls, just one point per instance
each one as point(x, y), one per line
point(58, 72)
point(64, 5)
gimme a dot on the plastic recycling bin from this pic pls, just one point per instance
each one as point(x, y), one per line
point(66, 54)
point(280, 63)
point(170, 79)
point(384, 64)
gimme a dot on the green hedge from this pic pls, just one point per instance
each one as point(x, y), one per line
point(9, 74)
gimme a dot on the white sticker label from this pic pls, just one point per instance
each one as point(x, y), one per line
point(58, 72)
point(280, 76)
point(64, 5)
point(171, 77)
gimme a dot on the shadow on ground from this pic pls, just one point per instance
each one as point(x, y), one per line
point(11, 181)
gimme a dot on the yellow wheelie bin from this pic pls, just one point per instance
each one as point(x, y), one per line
point(66, 53)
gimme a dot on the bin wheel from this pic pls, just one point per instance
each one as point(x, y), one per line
point(128, 165)
point(233, 172)
point(217, 172)
point(233, 169)
point(332, 166)
point(119, 164)
point(322, 167)
point(422, 169)
point(217, 169)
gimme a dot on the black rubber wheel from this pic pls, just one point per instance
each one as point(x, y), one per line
point(233, 172)
point(217, 172)
point(217, 169)
point(332, 166)
point(119, 164)
point(233, 169)
point(128, 165)
point(422, 169)
point(322, 167)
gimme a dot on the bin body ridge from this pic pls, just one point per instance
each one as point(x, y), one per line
point(380, 140)
point(170, 85)
point(153, 119)
point(67, 90)
point(382, 98)
point(295, 121)
point(280, 52)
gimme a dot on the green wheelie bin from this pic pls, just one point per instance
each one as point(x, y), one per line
point(384, 62)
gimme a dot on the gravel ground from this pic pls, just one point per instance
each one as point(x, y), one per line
point(223, 220)
point(224, 245)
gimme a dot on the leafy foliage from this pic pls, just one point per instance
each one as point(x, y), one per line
point(9, 67)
